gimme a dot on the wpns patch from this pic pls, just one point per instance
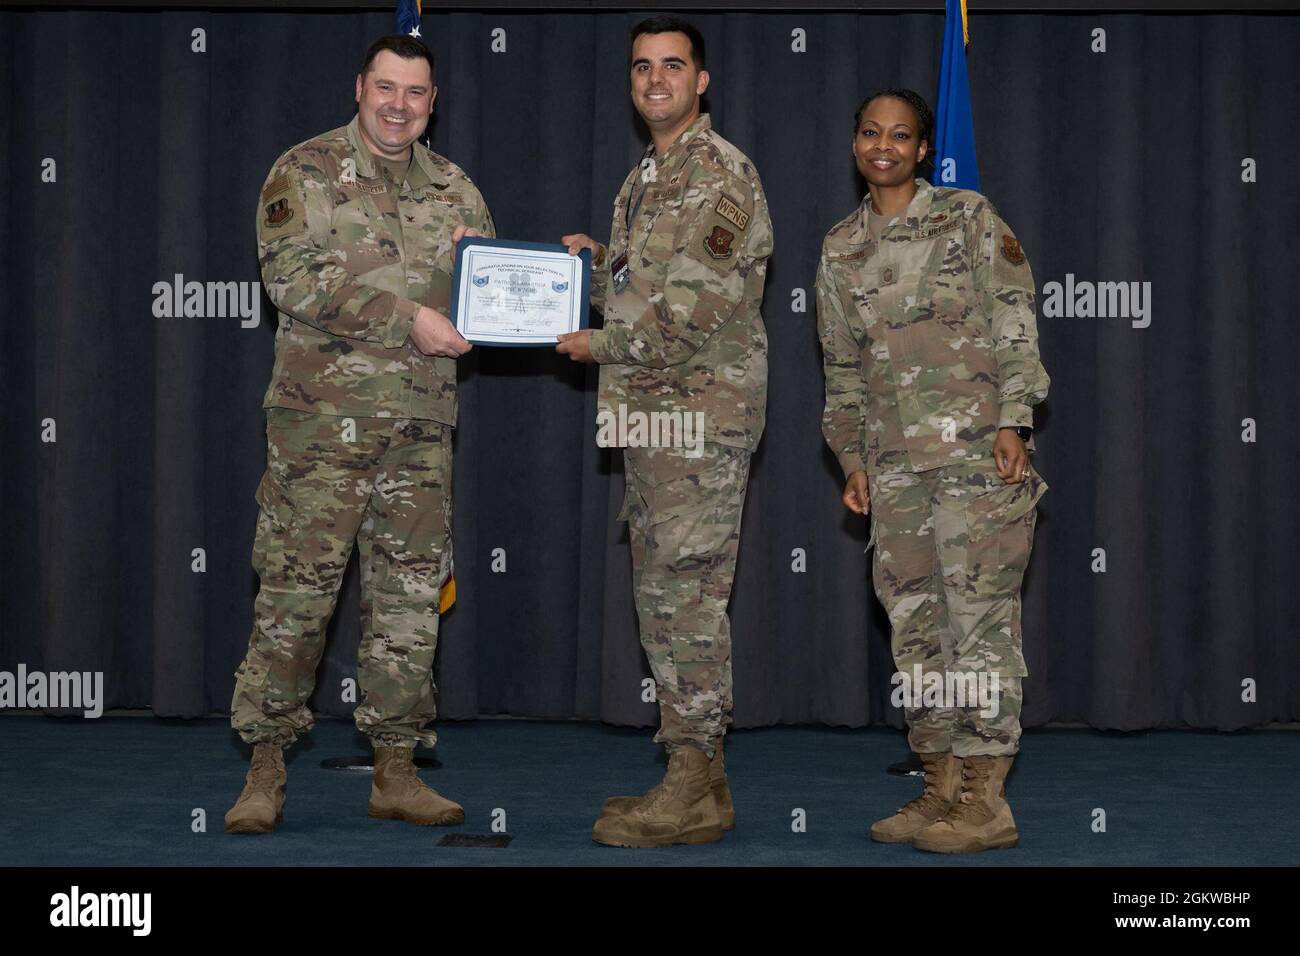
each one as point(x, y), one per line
point(730, 210)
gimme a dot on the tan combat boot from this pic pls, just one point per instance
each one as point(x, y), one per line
point(397, 793)
point(942, 785)
point(683, 811)
point(981, 818)
point(261, 804)
point(717, 782)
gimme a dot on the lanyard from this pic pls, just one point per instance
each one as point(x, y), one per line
point(638, 191)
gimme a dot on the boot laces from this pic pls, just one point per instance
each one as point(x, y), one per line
point(970, 805)
point(406, 772)
point(929, 803)
point(658, 797)
point(264, 772)
point(661, 793)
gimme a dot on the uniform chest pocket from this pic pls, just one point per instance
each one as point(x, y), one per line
point(944, 268)
point(359, 235)
point(858, 291)
point(427, 226)
point(661, 214)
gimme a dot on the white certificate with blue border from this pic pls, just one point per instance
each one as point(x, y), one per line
point(518, 293)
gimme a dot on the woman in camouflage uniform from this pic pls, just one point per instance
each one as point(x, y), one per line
point(926, 317)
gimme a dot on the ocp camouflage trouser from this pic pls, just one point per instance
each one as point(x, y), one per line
point(684, 524)
point(951, 547)
point(387, 489)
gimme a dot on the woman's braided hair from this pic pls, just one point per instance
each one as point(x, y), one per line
point(925, 123)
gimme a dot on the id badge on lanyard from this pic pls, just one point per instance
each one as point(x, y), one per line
point(621, 273)
point(619, 268)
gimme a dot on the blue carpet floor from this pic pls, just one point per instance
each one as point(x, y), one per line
point(123, 791)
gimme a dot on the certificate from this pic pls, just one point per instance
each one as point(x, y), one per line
point(518, 293)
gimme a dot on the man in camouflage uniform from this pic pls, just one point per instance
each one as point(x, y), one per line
point(930, 353)
point(680, 285)
point(356, 230)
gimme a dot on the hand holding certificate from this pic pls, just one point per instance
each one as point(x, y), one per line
point(518, 293)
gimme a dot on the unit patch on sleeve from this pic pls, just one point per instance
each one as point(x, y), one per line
point(719, 242)
point(1011, 250)
point(730, 210)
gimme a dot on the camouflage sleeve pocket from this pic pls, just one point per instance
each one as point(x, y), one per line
point(276, 507)
point(282, 210)
point(718, 236)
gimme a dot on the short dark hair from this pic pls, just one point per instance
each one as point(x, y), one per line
point(667, 24)
point(407, 47)
point(924, 122)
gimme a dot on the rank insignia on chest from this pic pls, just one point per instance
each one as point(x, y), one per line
point(1011, 250)
point(719, 242)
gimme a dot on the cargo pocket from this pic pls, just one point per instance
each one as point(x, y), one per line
point(1000, 524)
point(253, 670)
point(257, 696)
point(275, 505)
point(274, 518)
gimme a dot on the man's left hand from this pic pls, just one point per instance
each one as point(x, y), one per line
point(576, 345)
point(1009, 456)
point(461, 231)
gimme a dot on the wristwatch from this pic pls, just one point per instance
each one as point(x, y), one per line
point(1023, 431)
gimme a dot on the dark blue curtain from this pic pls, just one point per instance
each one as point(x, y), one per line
point(1122, 166)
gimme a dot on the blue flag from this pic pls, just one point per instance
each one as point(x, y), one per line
point(954, 127)
point(408, 22)
point(408, 17)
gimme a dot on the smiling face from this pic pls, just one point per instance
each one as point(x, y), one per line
point(666, 85)
point(887, 146)
point(394, 100)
